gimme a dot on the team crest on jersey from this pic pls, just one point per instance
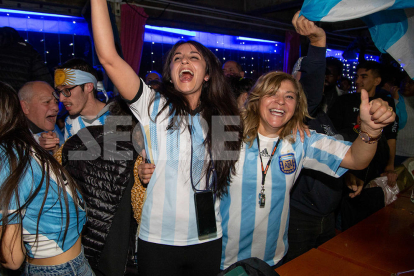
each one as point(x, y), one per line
point(287, 163)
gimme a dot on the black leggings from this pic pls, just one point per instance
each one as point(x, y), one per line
point(158, 259)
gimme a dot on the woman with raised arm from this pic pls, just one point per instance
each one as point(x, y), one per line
point(255, 211)
point(180, 229)
point(42, 213)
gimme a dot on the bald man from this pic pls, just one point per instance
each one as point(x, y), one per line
point(40, 105)
point(232, 69)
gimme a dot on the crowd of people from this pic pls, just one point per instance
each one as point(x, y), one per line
point(194, 170)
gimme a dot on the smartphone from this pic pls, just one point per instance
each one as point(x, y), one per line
point(206, 217)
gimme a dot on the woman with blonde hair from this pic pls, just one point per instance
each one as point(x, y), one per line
point(42, 213)
point(255, 212)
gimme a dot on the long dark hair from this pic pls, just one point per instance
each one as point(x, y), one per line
point(216, 100)
point(18, 146)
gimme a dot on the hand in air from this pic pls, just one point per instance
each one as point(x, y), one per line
point(375, 114)
point(305, 27)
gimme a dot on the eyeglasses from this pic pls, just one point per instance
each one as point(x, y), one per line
point(65, 91)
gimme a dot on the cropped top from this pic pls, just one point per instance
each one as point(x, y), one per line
point(52, 224)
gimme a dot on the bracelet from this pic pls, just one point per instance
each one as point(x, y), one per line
point(365, 136)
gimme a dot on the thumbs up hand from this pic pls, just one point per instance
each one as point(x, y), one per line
point(375, 114)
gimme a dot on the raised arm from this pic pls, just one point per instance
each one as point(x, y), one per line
point(122, 75)
point(313, 66)
point(374, 115)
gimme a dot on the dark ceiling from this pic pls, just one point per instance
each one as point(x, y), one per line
point(265, 19)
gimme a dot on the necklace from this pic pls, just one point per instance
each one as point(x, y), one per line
point(262, 196)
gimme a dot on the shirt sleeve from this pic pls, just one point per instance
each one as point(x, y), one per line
point(325, 153)
point(336, 113)
point(401, 112)
point(313, 68)
point(390, 131)
point(140, 103)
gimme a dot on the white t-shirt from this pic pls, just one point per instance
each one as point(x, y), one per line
point(168, 215)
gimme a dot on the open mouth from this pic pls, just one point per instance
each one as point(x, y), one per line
point(51, 118)
point(277, 112)
point(186, 75)
point(68, 106)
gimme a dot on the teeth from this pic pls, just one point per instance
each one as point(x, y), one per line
point(277, 110)
point(186, 71)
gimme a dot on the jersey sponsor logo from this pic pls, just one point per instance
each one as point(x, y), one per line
point(264, 153)
point(287, 163)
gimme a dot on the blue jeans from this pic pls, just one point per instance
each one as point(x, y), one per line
point(76, 267)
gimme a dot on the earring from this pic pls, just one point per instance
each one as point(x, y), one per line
point(206, 79)
point(171, 81)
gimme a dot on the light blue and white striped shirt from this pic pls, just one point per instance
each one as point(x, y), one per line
point(168, 215)
point(75, 123)
point(251, 231)
point(52, 225)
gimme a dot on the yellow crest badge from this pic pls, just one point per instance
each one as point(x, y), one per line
point(287, 163)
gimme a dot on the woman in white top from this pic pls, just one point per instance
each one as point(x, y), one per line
point(192, 111)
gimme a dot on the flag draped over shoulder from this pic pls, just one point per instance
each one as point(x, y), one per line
point(391, 23)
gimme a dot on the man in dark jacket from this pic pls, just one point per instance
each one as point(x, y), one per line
point(102, 164)
point(19, 61)
point(100, 153)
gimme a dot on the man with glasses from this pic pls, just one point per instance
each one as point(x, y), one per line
point(40, 105)
point(76, 86)
point(106, 180)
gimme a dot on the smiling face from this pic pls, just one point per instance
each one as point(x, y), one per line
point(42, 108)
point(188, 71)
point(276, 109)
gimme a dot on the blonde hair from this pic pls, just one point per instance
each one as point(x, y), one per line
point(267, 85)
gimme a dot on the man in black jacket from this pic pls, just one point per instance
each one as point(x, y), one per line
point(102, 164)
point(100, 154)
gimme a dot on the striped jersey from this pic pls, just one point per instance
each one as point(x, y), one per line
point(75, 123)
point(52, 222)
point(251, 231)
point(168, 215)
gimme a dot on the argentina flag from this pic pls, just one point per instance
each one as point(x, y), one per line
point(391, 23)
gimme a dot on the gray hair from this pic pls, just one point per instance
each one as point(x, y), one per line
point(26, 92)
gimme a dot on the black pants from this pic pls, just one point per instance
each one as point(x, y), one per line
point(158, 259)
point(307, 232)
